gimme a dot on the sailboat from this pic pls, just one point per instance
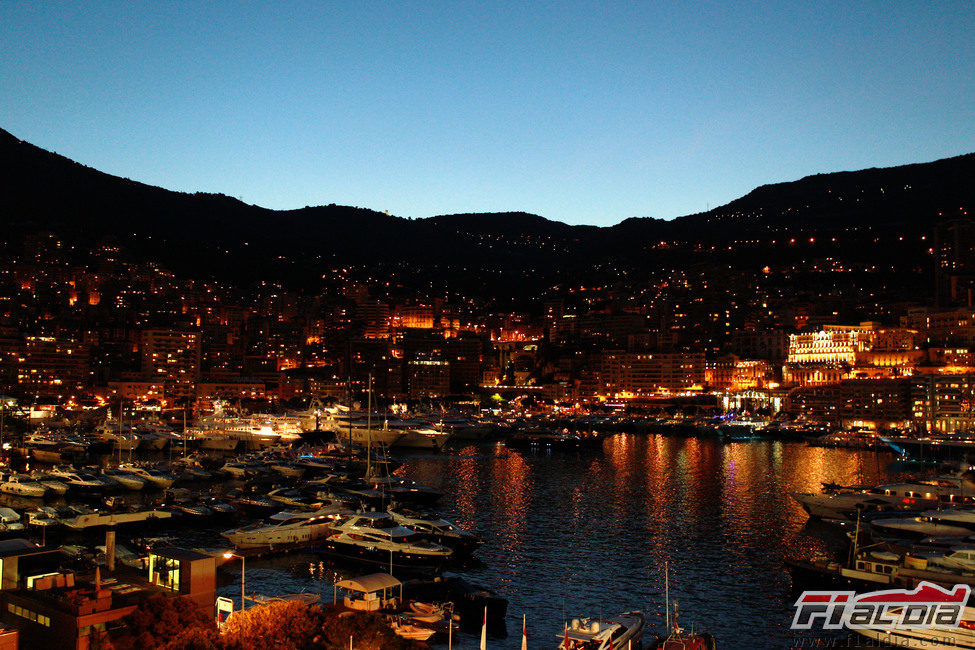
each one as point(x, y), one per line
point(677, 637)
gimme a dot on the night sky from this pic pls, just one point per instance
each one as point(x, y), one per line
point(579, 112)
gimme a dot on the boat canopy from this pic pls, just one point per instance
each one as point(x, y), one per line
point(369, 583)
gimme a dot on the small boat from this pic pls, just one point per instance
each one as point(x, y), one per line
point(603, 634)
point(677, 638)
point(412, 632)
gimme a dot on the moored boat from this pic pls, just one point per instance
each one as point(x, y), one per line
point(604, 633)
point(374, 537)
point(285, 528)
point(23, 486)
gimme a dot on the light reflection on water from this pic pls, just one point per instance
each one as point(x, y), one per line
point(587, 533)
point(570, 534)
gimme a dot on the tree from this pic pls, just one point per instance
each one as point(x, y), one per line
point(171, 623)
point(368, 630)
point(286, 625)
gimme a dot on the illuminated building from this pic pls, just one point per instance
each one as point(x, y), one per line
point(943, 403)
point(645, 373)
point(837, 352)
point(50, 366)
point(173, 357)
point(732, 373)
point(954, 249)
point(427, 378)
point(869, 403)
point(375, 317)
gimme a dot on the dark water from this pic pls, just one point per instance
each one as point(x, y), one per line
point(588, 533)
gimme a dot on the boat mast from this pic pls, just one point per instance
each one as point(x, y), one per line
point(667, 594)
point(369, 432)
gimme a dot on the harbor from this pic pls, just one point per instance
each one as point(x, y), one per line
point(567, 523)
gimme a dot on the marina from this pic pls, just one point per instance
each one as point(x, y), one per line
point(546, 531)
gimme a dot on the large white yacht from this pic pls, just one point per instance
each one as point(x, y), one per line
point(436, 529)
point(922, 494)
point(376, 538)
point(287, 527)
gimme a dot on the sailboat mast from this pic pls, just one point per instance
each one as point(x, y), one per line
point(667, 594)
point(369, 431)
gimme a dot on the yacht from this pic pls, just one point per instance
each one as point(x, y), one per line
point(212, 440)
point(404, 490)
point(294, 498)
point(618, 631)
point(375, 537)
point(922, 494)
point(124, 479)
point(436, 529)
point(242, 469)
point(54, 485)
point(23, 486)
point(154, 478)
point(422, 438)
point(363, 430)
point(79, 480)
point(959, 558)
point(10, 521)
point(962, 636)
point(287, 527)
point(936, 523)
point(97, 518)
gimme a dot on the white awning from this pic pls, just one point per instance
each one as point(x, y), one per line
point(370, 583)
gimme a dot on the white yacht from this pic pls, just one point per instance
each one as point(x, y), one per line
point(362, 430)
point(601, 634)
point(124, 479)
point(423, 438)
point(376, 538)
point(436, 529)
point(154, 477)
point(96, 518)
point(23, 486)
point(212, 439)
point(936, 523)
point(960, 558)
point(54, 485)
point(922, 494)
point(962, 636)
point(10, 521)
point(79, 480)
point(287, 527)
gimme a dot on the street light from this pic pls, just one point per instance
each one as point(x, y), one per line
point(229, 555)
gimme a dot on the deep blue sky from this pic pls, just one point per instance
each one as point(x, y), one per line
point(580, 112)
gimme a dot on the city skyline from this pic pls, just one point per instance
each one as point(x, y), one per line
point(576, 115)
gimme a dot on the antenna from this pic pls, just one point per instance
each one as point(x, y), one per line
point(667, 594)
